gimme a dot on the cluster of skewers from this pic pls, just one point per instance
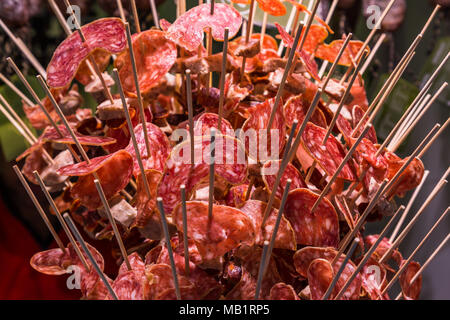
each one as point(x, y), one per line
point(188, 222)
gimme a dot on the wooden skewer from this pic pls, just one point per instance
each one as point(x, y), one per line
point(411, 158)
point(415, 111)
point(336, 277)
point(288, 28)
point(390, 80)
point(123, 251)
point(425, 109)
point(23, 48)
point(247, 35)
point(132, 134)
point(222, 78)
point(135, 16)
point(327, 21)
point(444, 126)
point(138, 90)
point(283, 80)
point(154, 13)
point(289, 153)
point(16, 90)
point(14, 121)
point(185, 237)
point(369, 253)
point(212, 147)
point(340, 167)
point(277, 222)
point(81, 241)
point(416, 100)
point(360, 221)
point(342, 102)
point(308, 26)
point(62, 21)
point(121, 12)
point(169, 247)
point(263, 30)
point(91, 58)
point(63, 119)
point(408, 206)
point(261, 269)
point(405, 263)
point(440, 185)
point(426, 263)
point(61, 220)
point(190, 113)
point(39, 208)
point(373, 52)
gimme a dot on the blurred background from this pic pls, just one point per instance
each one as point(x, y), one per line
point(22, 232)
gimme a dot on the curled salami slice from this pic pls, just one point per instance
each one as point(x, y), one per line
point(187, 30)
point(236, 196)
point(283, 291)
point(160, 279)
point(114, 172)
point(227, 229)
point(136, 262)
point(129, 286)
point(258, 144)
point(357, 114)
point(296, 108)
point(272, 7)
point(107, 34)
point(285, 238)
point(52, 262)
point(328, 156)
point(206, 121)
point(330, 51)
point(145, 206)
point(383, 246)
point(230, 165)
point(320, 276)
point(320, 228)
point(269, 173)
point(373, 276)
point(92, 287)
point(411, 291)
point(409, 179)
point(308, 61)
point(154, 55)
point(304, 257)
point(159, 148)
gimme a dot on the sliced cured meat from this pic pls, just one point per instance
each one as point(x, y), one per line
point(154, 55)
point(328, 156)
point(330, 51)
point(236, 195)
point(52, 262)
point(301, 8)
point(84, 74)
point(272, 7)
point(228, 228)
point(145, 206)
point(114, 172)
point(258, 145)
point(159, 148)
point(230, 164)
point(373, 276)
point(269, 173)
point(285, 238)
point(382, 248)
point(320, 228)
point(206, 121)
point(296, 108)
point(283, 291)
point(357, 114)
point(107, 34)
point(187, 30)
point(411, 291)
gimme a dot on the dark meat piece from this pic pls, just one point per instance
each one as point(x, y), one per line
point(249, 50)
point(272, 64)
point(204, 65)
point(107, 111)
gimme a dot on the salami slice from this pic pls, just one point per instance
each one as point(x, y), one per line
point(114, 172)
point(129, 286)
point(206, 121)
point(227, 229)
point(187, 30)
point(296, 108)
point(330, 51)
point(272, 7)
point(411, 291)
point(52, 262)
point(320, 276)
point(159, 148)
point(383, 246)
point(154, 55)
point(283, 291)
point(254, 132)
point(107, 34)
point(328, 156)
point(373, 276)
point(269, 173)
point(230, 165)
point(320, 228)
point(357, 114)
point(301, 8)
point(236, 195)
point(304, 257)
point(145, 206)
point(285, 238)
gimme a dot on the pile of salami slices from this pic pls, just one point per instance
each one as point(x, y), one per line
point(225, 251)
